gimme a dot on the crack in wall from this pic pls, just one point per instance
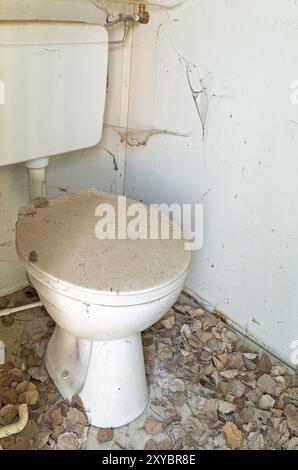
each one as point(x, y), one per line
point(114, 159)
point(167, 21)
point(103, 6)
point(140, 137)
point(176, 5)
point(201, 94)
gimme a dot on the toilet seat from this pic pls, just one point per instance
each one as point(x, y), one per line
point(58, 245)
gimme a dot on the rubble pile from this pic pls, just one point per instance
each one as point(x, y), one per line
point(207, 391)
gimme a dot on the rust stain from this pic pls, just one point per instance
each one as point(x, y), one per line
point(221, 316)
point(33, 258)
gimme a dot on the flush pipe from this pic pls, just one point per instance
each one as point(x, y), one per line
point(37, 177)
point(20, 308)
point(36, 188)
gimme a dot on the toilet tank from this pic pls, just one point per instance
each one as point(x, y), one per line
point(53, 79)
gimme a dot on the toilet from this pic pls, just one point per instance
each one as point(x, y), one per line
point(101, 292)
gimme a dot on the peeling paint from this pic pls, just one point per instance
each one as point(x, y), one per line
point(140, 137)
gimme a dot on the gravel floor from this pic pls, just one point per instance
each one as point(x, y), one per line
point(207, 390)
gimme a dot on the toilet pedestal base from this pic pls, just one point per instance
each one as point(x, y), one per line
point(109, 376)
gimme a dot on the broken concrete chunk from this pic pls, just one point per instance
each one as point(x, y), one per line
point(264, 364)
point(292, 418)
point(266, 402)
point(16, 375)
point(22, 442)
point(236, 388)
point(30, 396)
point(248, 415)
point(105, 435)
point(267, 384)
point(43, 437)
point(232, 435)
point(31, 430)
point(56, 416)
point(7, 414)
point(229, 374)
point(198, 313)
point(68, 441)
point(211, 392)
point(292, 444)
point(76, 421)
point(224, 358)
point(151, 445)
point(176, 385)
point(291, 395)
point(186, 331)
point(250, 356)
point(209, 322)
point(8, 395)
point(38, 373)
point(152, 425)
point(256, 441)
point(204, 336)
point(235, 361)
point(23, 386)
point(210, 409)
point(278, 370)
point(165, 444)
point(226, 407)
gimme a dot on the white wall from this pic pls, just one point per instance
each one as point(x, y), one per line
point(245, 55)
point(92, 167)
point(245, 171)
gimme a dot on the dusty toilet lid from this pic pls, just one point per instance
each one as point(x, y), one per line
point(57, 237)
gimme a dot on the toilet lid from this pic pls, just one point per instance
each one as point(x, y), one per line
point(57, 237)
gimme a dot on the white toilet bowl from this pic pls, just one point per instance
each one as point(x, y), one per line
point(102, 294)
